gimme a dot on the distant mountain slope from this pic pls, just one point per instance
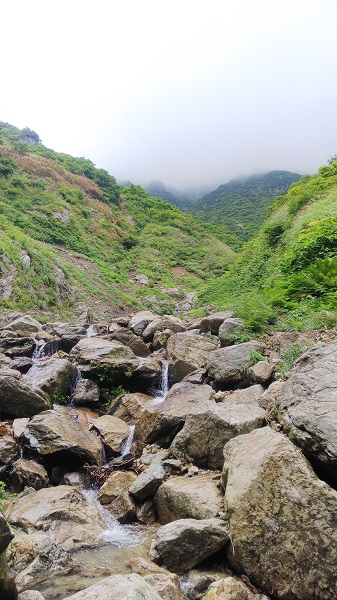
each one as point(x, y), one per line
point(170, 194)
point(239, 206)
point(286, 275)
point(65, 224)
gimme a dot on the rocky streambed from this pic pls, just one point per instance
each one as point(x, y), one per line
point(166, 458)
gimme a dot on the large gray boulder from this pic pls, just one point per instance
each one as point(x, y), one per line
point(25, 326)
point(17, 399)
point(118, 587)
point(113, 432)
point(183, 498)
point(61, 437)
point(185, 543)
point(213, 322)
point(230, 330)
point(114, 495)
point(282, 519)
point(306, 406)
point(85, 392)
point(147, 483)
point(187, 352)
point(53, 376)
point(130, 407)
point(206, 432)
point(63, 511)
point(141, 320)
point(133, 341)
point(162, 421)
point(230, 365)
point(169, 322)
point(28, 473)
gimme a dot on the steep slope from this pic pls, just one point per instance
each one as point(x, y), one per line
point(287, 274)
point(65, 223)
point(239, 206)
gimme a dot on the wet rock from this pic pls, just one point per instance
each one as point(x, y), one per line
point(113, 432)
point(214, 321)
point(147, 483)
point(74, 479)
point(185, 543)
point(205, 433)
point(305, 406)
point(187, 352)
point(141, 320)
point(230, 365)
point(28, 473)
point(282, 519)
point(115, 497)
point(146, 512)
point(126, 587)
point(182, 498)
point(62, 511)
point(58, 435)
point(17, 399)
point(53, 376)
point(18, 427)
point(86, 392)
point(7, 372)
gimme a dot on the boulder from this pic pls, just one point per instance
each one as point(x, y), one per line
point(147, 483)
point(306, 406)
point(8, 590)
point(129, 407)
point(63, 511)
point(187, 352)
point(160, 339)
point(262, 372)
point(141, 320)
point(118, 587)
point(166, 584)
point(53, 376)
point(30, 595)
point(185, 543)
point(282, 519)
point(61, 437)
point(85, 392)
point(113, 432)
point(17, 399)
point(230, 330)
point(230, 365)
point(173, 324)
point(163, 421)
point(25, 326)
point(28, 473)
point(206, 432)
point(133, 341)
point(231, 588)
point(250, 395)
point(183, 498)
point(6, 535)
point(115, 497)
point(214, 321)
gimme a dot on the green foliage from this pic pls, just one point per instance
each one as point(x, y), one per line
point(5, 495)
point(289, 357)
point(318, 239)
point(7, 166)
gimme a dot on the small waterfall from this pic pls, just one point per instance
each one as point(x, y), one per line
point(91, 331)
point(73, 388)
point(43, 348)
point(163, 385)
point(115, 533)
point(128, 442)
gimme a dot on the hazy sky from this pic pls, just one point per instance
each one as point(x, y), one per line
point(192, 92)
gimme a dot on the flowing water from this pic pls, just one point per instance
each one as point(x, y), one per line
point(163, 385)
point(43, 348)
point(73, 388)
point(128, 443)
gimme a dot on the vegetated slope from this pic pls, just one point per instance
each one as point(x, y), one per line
point(65, 223)
point(239, 206)
point(287, 274)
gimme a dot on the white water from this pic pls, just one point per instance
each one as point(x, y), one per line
point(128, 442)
point(163, 385)
point(73, 388)
point(91, 331)
point(115, 533)
point(43, 348)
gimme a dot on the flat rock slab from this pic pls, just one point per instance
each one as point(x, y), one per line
point(185, 543)
point(183, 498)
point(282, 519)
point(118, 587)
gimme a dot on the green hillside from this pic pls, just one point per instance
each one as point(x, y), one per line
point(238, 207)
point(61, 217)
point(286, 276)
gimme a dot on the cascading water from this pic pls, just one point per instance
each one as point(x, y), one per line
point(163, 385)
point(43, 348)
point(128, 442)
point(73, 388)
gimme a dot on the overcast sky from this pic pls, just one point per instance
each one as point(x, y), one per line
point(191, 92)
